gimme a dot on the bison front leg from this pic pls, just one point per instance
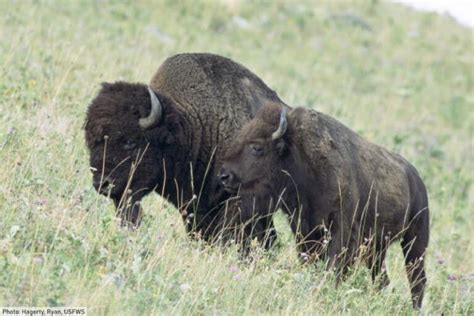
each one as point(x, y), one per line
point(335, 258)
point(129, 212)
point(376, 263)
point(262, 231)
point(253, 219)
point(310, 245)
point(340, 251)
point(265, 232)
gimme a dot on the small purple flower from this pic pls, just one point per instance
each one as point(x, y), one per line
point(452, 278)
point(42, 202)
point(185, 287)
point(233, 269)
point(37, 259)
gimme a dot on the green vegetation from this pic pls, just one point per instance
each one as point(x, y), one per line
point(403, 79)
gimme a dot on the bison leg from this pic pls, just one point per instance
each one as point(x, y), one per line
point(376, 263)
point(254, 220)
point(263, 230)
point(414, 248)
point(130, 213)
point(270, 236)
point(337, 257)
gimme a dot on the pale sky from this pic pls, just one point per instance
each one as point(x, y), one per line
point(461, 10)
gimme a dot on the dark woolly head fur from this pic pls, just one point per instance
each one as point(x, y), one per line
point(124, 157)
point(255, 160)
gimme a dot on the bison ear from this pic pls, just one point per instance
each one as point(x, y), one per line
point(281, 147)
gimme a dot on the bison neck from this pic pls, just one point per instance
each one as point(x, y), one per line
point(306, 202)
point(189, 165)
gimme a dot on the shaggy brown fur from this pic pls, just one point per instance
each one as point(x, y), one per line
point(205, 99)
point(345, 197)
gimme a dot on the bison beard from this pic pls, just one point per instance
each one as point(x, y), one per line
point(345, 197)
point(169, 137)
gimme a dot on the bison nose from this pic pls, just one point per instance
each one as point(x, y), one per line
point(96, 183)
point(101, 187)
point(226, 177)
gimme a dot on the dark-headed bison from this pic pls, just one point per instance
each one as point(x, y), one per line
point(346, 198)
point(170, 136)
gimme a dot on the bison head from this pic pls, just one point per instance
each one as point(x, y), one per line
point(254, 168)
point(127, 140)
point(257, 154)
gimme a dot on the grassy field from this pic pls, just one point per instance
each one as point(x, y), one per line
point(403, 79)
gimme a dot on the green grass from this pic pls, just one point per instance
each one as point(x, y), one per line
point(402, 79)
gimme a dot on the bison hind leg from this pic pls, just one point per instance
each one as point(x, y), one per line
point(414, 247)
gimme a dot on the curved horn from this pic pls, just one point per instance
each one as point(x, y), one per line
point(155, 112)
point(283, 125)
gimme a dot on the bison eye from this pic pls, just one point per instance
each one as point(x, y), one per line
point(257, 150)
point(129, 145)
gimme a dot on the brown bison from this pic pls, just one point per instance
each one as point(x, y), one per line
point(170, 136)
point(346, 198)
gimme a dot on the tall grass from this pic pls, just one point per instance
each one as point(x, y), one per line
point(402, 79)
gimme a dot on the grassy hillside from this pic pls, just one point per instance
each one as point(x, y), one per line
point(403, 79)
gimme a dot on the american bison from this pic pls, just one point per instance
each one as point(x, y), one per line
point(170, 136)
point(345, 197)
